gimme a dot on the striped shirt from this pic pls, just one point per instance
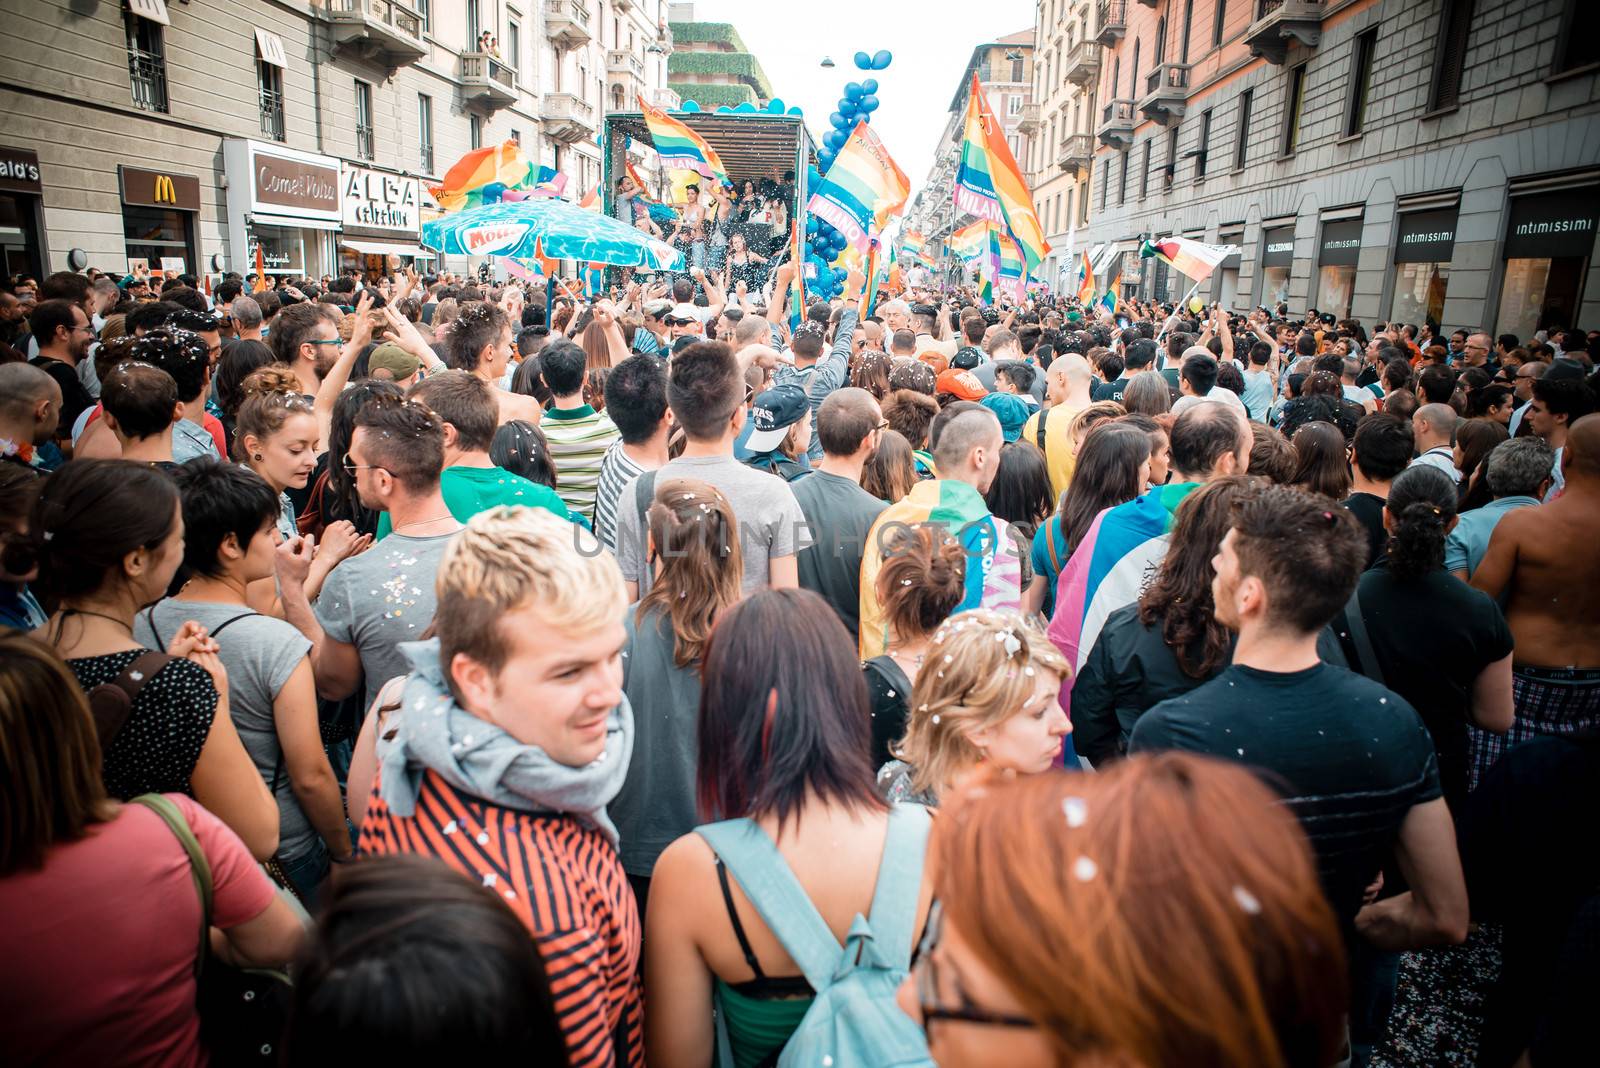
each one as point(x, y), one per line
point(578, 438)
point(616, 471)
point(565, 883)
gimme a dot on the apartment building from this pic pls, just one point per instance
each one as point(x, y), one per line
point(1060, 119)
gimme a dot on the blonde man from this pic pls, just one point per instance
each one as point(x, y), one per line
point(506, 749)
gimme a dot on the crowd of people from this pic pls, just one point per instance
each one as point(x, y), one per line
point(483, 669)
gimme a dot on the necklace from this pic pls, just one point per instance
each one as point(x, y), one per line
point(422, 522)
point(100, 615)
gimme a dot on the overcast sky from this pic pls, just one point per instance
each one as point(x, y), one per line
point(931, 43)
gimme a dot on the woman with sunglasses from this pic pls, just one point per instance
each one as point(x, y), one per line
point(1047, 943)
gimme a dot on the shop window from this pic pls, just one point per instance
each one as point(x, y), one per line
point(1419, 290)
point(147, 62)
point(155, 234)
point(1539, 294)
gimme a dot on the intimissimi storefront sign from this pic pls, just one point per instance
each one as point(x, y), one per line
point(1548, 225)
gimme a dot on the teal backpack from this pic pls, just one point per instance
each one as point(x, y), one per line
point(854, 1021)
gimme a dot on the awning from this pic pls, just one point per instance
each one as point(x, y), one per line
point(291, 222)
point(154, 10)
point(384, 248)
point(270, 47)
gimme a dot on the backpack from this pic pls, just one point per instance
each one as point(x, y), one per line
point(853, 1022)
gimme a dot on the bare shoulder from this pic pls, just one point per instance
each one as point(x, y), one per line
point(517, 406)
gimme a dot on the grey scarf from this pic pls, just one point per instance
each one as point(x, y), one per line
point(480, 759)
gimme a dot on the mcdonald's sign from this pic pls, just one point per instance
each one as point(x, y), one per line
point(159, 189)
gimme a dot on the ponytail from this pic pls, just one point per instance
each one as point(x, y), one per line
point(1422, 505)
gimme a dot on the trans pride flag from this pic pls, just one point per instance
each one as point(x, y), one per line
point(862, 188)
point(989, 184)
point(680, 148)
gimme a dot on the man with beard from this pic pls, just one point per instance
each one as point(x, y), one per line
point(64, 335)
point(838, 511)
point(306, 337)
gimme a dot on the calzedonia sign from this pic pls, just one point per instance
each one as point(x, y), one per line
point(375, 200)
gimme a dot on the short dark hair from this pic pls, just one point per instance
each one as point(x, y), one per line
point(807, 344)
point(405, 439)
point(149, 316)
point(910, 413)
point(1139, 355)
point(1436, 384)
point(1384, 445)
point(226, 291)
point(1305, 344)
point(48, 316)
point(1111, 366)
point(477, 327)
point(1304, 548)
point(703, 389)
point(1260, 354)
point(636, 397)
point(181, 353)
point(140, 397)
point(1201, 373)
point(463, 400)
point(1017, 372)
point(1202, 435)
point(845, 419)
point(186, 297)
point(815, 743)
point(1508, 341)
point(563, 364)
point(64, 285)
point(291, 327)
point(1566, 396)
point(221, 499)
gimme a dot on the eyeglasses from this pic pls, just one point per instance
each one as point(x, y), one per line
point(86, 328)
point(882, 424)
point(927, 986)
point(351, 467)
point(322, 341)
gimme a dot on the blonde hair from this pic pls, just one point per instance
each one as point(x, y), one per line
point(980, 669)
point(510, 558)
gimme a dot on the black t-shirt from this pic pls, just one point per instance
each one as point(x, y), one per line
point(1368, 508)
point(890, 691)
point(74, 398)
point(1111, 391)
point(1433, 636)
point(1350, 758)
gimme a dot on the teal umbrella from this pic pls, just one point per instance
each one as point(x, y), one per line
point(525, 229)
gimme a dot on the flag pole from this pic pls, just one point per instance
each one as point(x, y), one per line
point(1181, 304)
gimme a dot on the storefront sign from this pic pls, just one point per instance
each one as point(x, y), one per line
point(296, 184)
point(1553, 224)
point(1426, 237)
point(1277, 247)
point(379, 200)
point(1341, 243)
point(159, 189)
point(19, 171)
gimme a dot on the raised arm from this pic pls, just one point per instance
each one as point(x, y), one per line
point(338, 375)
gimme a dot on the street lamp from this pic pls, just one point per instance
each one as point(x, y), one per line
point(827, 61)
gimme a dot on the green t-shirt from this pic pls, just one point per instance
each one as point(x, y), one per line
point(470, 490)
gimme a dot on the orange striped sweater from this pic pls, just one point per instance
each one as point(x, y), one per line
point(564, 881)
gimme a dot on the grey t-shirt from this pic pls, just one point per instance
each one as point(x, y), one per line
point(380, 598)
point(839, 513)
point(657, 802)
point(770, 521)
point(259, 653)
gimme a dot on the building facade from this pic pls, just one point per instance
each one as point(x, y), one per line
point(711, 65)
point(210, 130)
point(1408, 159)
point(1005, 71)
point(1066, 68)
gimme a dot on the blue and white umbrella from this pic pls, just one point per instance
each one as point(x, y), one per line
point(526, 229)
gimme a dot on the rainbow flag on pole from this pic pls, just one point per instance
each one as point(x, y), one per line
point(912, 242)
point(1109, 299)
point(1194, 259)
point(971, 240)
point(797, 256)
point(862, 188)
point(989, 184)
point(680, 148)
point(871, 296)
point(1086, 283)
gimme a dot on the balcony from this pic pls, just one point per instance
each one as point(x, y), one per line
point(567, 118)
point(1112, 24)
point(1279, 21)
point(621, 62)
point(382, 31)
point(665, 99)
point(487, 82)
point(1082, 63)
point(1116, 124)
point(1166, 90)
point(1076, 154)
point(566, 23)
point(1030, 119)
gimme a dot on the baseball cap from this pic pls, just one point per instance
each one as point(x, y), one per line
point(683, 313)
point(657, 309)
point(1074, 317)
point(963, 384)
point(1011, 410)
point(935, 359)
point(966, 358)
point(394, 359)
point(774, 412)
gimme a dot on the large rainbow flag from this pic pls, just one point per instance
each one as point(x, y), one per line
point(989, 184)
point(1011, 269)
point(862, 188)
point(680, 148)
point(971, 240)
point(483, 176)
point(1086, 283)
point(912, 242)
point(1113, 294)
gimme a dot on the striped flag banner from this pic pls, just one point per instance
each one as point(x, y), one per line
point(862, 188)
point(1193, 259)
point(680, 148)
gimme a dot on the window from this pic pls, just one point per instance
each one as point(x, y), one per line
point(425, 132)
point(1297, 95)
point(1188, 21)
point(1133, 75)
point(1016, 69)
point(474, 132)
point(1122, 180)
point(1105, 181)
point(1144, 172)
point(147, 62)
point(1205, 146)
point(1216, 27)
point(1453, 30)
point(1014, 104)
point(474, 21)
point(1172, 157)
point(516, 136)
point(1361, 84)
point(364, 148)
point(513, 51)
point(1580, 26)
point(269, 83)
point(425, 13)
point(1247, 98)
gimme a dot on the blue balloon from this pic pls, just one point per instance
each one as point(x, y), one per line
point(724, 110)
point(863, 61)
point(881, 60)
point(796, 111)
point(744, 107)
point(869, 104)
point(869, 85)
point(811, 224)
point(852, 91)
point(836, 139)
point(775, 106)
point(813, 176)
point(690, 105)
point(838, 121)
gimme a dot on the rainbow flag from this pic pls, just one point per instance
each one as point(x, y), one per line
point(1108, 300)
point(1194, 259)
point(862, 188)
point(590, 200)
point(989, 184)
point(912, 242)
point(797, 254)
point(483, 176)
point(871, 295)
point(680, 148)
point(972, 239)
point(1086, 283)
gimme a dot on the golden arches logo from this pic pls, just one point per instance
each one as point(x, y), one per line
point(165, 191)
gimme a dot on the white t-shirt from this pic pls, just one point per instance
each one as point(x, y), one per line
point(1217, 395)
